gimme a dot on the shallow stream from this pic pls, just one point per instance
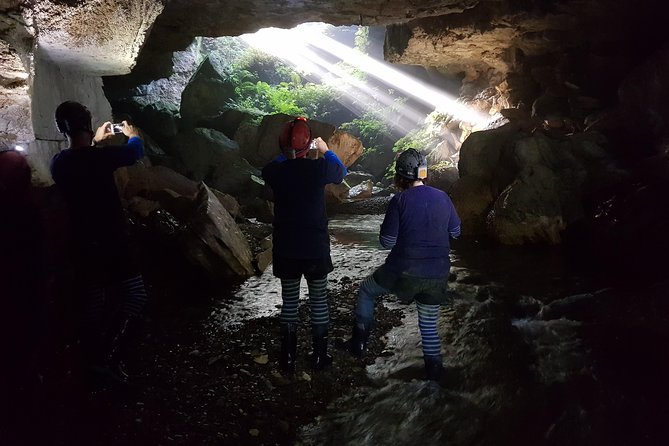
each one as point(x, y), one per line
point(502, 360)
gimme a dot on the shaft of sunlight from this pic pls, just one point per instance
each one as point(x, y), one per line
point(419, 90)
point(296, 46)
point(359, 97)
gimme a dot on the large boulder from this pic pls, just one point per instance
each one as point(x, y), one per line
point(442, 176)
point(159, 119)
point(267, 141)
point(227, 121)
point(210, 156)
point(347, 147)
point(214, 242)
point(205, 95)
point(472, 198)
point(482, 151)
point(376, 161)
point(546, 196)
point(260, 144)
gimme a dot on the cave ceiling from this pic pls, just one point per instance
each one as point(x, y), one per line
point(104, 37)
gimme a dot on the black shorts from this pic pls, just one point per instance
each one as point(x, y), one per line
point(409, 288)
point(284, 268)
point(106, 262)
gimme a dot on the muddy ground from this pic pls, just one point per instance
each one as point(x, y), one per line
point(195, 382)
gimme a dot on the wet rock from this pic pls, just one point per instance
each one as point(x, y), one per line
point(215, 242)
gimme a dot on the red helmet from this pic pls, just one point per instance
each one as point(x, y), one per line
point(296, 135)
point(14, 172)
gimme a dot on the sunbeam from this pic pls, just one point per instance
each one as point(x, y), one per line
point(298, 47)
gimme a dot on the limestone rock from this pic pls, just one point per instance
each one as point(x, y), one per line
point(361, 191)
point(347, 147)
point(442, 177)
point(215, 242)
point(472, 197)
point(100, 40)
point(229, 203)
point(227, 122)
point(210, 156)
point(205, 95)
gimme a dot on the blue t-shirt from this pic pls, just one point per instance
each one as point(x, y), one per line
point(300, 221)
point(417, 227)
point(85, 176)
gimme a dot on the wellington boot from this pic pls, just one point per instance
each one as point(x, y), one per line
point(433, 368)
point(357, 345)
point(288, 347)
point(320, 359)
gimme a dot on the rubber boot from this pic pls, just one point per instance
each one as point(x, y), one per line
point(433, 368)
point(117, 346)
point(357, 345)
point(320, 358)
point(288, 347)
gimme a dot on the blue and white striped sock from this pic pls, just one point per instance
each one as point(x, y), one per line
point(134, 295)
point(290, 294)
point(318, 301)
point(427, 322)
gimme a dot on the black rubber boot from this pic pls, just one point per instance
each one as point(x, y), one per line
point(357, 345)
point(433, 368)
point(320, 358)
point(288, 347)
point(118, 340)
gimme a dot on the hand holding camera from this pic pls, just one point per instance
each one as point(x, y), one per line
point(320, 145)
point(109, 129)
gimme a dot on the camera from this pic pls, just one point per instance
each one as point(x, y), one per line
point(117, 128)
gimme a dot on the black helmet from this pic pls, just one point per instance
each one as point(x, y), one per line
point(72, 117)
point(411, 164)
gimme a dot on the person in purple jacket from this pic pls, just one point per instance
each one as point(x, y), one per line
point(301, 242)
point(417, 227)
point(84, 173)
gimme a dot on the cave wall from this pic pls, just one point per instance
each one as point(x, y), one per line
point(56, 50)
point(51, 85)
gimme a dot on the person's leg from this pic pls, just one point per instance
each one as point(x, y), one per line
point(427, 323)
point(290, 295)
point(364, 314)
point(133, 299)
point(320, 319)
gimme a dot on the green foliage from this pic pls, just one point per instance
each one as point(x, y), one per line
point(317, 101)
point(265, 67)
point(372, 131)
point(422, 139)
point(362, 42)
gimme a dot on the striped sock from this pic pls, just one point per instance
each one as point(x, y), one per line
point(427, 322)
point(134, 295)
point(290, 294)
point(318, 301)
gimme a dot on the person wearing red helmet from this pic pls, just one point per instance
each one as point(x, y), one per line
point(84, 173)
point(24, 289)
point(417, 227)
point(301, 242)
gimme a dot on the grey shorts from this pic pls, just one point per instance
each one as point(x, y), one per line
point(409, 288)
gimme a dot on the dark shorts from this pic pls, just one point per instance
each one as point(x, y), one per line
point(106, 262)
point(409, 288)
point(284, 268)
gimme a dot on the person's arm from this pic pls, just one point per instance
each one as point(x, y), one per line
point(391, 224)
point(335, 171)
point(454, 222)
point(125, 155)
